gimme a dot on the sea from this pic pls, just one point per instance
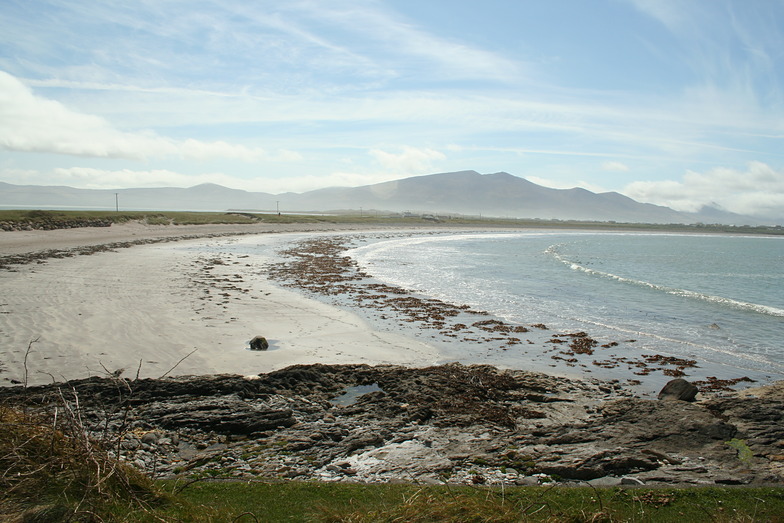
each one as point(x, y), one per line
point(717, 299)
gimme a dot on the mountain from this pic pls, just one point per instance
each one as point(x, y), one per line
point(499, 194)
point(464, 192)
point(204, 197)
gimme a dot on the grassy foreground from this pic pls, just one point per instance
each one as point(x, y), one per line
point(51, 472)
point(399, 503)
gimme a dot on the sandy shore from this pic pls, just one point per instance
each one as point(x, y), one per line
point(143, 309)
point(70, 307)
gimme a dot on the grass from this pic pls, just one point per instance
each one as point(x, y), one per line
point(51, 217)
point(51, 471)
point(330, 502)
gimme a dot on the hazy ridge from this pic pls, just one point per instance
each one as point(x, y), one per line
point(464, 192)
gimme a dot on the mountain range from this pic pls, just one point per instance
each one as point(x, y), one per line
point(464, 192)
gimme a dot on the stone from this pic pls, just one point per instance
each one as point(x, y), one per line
point(471, 422)
point(130, 444)
point(632, 481)
point(606, 481)
point(678, 389)
point(259, 343)
point(527, 481)
point(151, 438)
point(226, 415)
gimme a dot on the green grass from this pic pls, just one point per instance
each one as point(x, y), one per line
point(312, 501)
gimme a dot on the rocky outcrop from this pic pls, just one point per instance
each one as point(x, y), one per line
point(463, 424)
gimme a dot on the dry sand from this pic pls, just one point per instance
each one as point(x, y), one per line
point(145, 308)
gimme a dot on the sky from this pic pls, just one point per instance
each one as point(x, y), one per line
point(673, 102)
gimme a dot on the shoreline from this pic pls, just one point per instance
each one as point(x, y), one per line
point(469, 336)
point(225, 412)
point(170, 309)
point(189, 302)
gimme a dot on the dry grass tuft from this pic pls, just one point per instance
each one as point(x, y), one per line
point(51, 471)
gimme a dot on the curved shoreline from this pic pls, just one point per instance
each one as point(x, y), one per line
point(190, 307)
point(168, 309)
point(476, 337)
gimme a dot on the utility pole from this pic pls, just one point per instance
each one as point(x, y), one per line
point(277, 207)
point(117, 202)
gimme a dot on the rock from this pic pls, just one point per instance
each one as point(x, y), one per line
point(527, 481)
point(229, 415)
point(606, 481)
point(259, 343)
point(451, 423)
point(632, 481)
point(151, 438)
point(130, 443)
point(361, 441)
point(678, 389)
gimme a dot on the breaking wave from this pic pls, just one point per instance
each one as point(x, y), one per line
point(685, 293)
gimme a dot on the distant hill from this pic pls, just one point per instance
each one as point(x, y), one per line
point(464, 192)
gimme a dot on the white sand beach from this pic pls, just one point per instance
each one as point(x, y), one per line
point(178, 308)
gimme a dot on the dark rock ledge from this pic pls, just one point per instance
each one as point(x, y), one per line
point(463, 424)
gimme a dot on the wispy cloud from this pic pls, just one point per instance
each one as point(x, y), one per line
point(731, 46)
point(613, 166)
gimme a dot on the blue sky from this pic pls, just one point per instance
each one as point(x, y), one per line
point(671, 102)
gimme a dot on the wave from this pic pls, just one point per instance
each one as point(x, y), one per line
point(685, 293)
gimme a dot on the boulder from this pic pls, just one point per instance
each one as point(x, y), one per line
point(678, 389)
point(259, 343)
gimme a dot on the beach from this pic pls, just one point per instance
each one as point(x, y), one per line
point(338, 396)
point(154, 301)
point(168, 308)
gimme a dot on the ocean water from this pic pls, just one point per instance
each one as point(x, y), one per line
point(714, 298)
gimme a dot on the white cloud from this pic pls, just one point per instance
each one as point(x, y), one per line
point(411, 160)
point(30, 123)
point(615, 167)
point(756, 191)
point(674, 15)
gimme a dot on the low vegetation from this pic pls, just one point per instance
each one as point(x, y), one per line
point(51, 471)
point(56, 219)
